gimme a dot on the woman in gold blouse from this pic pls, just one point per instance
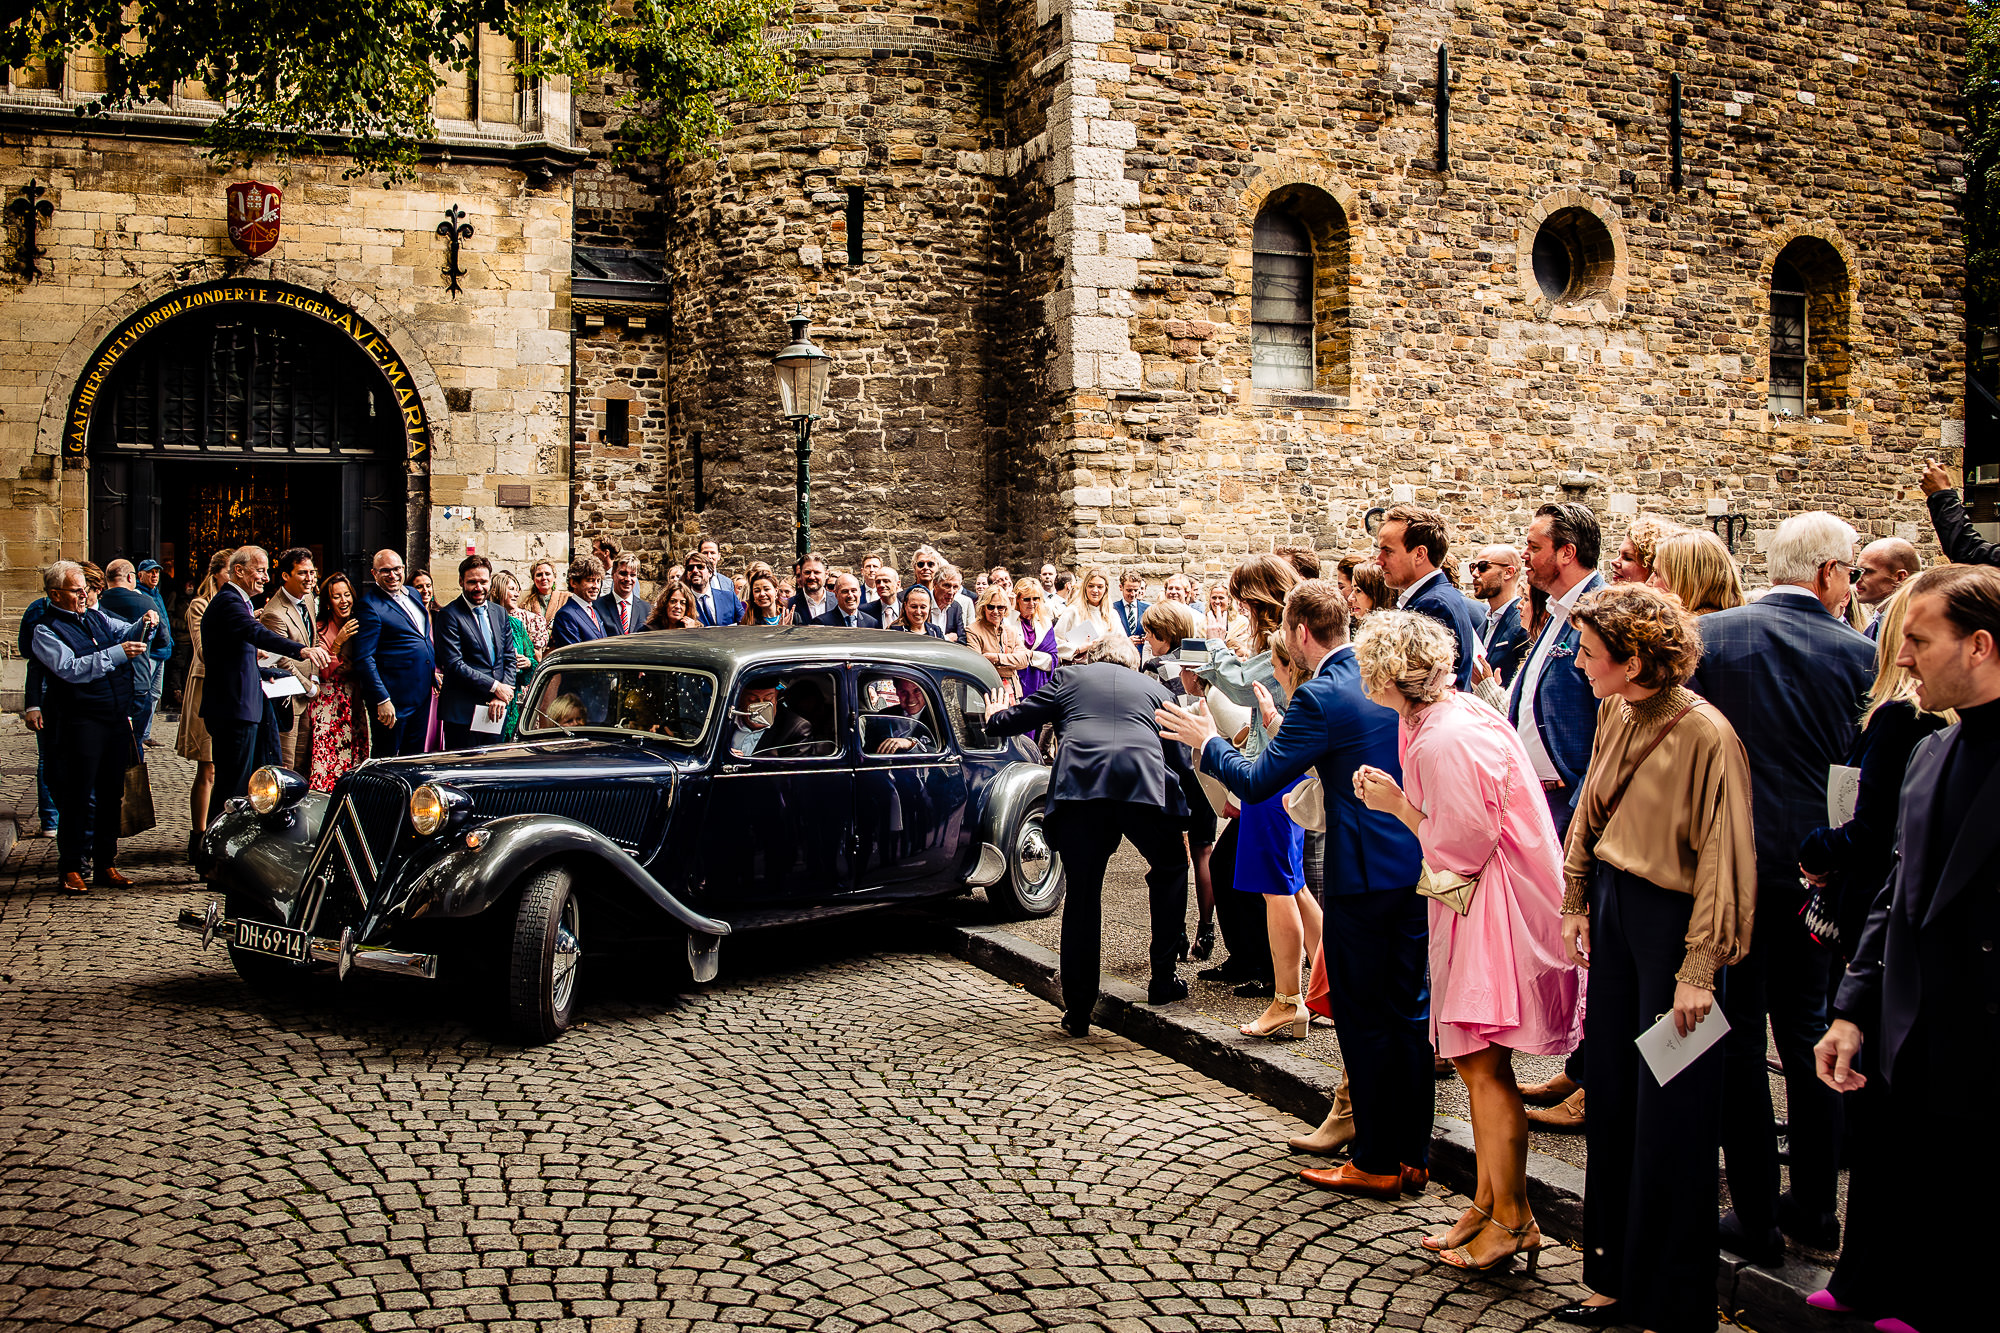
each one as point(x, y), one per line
point(1660, 879)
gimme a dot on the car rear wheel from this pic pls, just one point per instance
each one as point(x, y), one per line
point(546, 959)
point(1033, 884)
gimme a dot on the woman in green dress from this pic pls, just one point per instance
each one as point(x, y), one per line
point(507, 591)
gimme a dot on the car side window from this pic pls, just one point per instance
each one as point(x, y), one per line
point(897, 717)
point(784, 715)
point(966, 704)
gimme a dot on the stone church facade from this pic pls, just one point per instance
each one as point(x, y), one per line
point(1104, 281)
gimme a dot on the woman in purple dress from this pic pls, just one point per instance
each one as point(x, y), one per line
point(1038, 634)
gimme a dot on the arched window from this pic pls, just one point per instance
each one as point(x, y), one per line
point(1281, 302)
point(1809, 351)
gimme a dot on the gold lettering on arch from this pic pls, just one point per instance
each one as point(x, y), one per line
point(121, 340)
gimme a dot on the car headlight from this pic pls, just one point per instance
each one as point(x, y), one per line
point(431, 807)
point(274, 789)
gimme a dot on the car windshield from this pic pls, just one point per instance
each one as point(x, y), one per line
point(663, 702)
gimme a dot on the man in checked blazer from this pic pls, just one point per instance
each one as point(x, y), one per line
point(1792, 678)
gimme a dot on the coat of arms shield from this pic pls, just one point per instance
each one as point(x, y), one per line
point(253, 216)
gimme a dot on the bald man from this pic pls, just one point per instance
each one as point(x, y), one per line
point(396, 660)
point(1496, 581)
point(1885, 566)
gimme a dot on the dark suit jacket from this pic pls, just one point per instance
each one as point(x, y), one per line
point(953, 617)
point(728, 610)
point(1961, 544)
point(884, 614)
point(470, 669)
point(230, 637)
point(1332, 726)
point(1111, 749)
point(1508, 647)
point(574, 625)
point(607, 611)
point(394, 659)
point(1565, 709)
point(833, 618)
point(798, 608)
point(1928, 948)
point(1457, 613)
point(37, 612)
point(1129, 617)
point(1792, 681)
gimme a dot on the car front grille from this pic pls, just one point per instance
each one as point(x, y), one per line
point(621, 814)
point(356, 849)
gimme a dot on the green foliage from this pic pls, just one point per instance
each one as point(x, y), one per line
point(1982, 163)
point(357, 77)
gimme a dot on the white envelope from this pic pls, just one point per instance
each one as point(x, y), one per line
point(482, 720)
point(284, 687)
point(1667, 1052)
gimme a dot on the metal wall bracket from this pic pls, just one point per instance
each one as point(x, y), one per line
point(34, 212)
point(454, 229)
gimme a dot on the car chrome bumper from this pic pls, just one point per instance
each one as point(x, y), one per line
point(342, 952)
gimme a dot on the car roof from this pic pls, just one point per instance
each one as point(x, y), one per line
point(725, 650)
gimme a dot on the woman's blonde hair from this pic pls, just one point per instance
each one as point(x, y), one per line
point(218, 569)
point(1412, 653)
point(1083, 586)
point(995, 595)
point(1646, 534)
point(1698, 569)
point(1893, 683)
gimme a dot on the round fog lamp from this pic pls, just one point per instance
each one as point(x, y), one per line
point(265, 790)
point(427, 810)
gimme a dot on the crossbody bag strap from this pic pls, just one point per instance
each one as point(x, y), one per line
point(1645, 754)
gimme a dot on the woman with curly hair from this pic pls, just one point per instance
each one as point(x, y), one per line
point(1697, 568)
point(1500, 980)
point(1634, 561)
point(1661, 871)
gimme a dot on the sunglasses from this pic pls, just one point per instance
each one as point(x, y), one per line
point(1481, 566)
point(1856, 572)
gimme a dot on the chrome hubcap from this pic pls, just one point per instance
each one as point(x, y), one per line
point(569, 954)
point(1035, 861)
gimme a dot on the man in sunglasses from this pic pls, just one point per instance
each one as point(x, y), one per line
point(1496, 581)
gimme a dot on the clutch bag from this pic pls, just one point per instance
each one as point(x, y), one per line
point(1306, 804)
point(1448, 887)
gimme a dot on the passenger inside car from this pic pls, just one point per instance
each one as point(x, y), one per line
point(804, 727)
point(895, 717)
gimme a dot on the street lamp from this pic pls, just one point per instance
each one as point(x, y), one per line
point(801, 371)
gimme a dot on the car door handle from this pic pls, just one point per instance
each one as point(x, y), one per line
point(735, 768)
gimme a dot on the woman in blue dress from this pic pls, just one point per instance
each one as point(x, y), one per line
point(1270, 847)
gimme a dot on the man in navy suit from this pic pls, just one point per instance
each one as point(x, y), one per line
point(576, 620)
point(476, 652)
point(623, 610)
point(1496, 581)
point(1411, 546)
point(1131, 610)
point(715, 602)
point(888, 603)
point(1792, 678)
point(813, 598)
point(1377, 928)
point(1921, 985)
point(232, 694)
point(847, 612)
point(395, 658)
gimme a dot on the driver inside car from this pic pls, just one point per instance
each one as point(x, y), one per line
point(750, 721)
point(893, 712)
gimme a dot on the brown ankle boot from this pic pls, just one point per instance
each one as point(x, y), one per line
point(1334, 1133)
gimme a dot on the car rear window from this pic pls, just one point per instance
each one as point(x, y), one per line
point(665, 703)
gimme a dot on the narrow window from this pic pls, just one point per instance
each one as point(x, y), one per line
point(1281, 303)
point(1788, 341)
point(617, 422)
point(854, 224)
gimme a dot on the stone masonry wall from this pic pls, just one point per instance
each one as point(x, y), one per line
point(1467, 387)
point(133, 220)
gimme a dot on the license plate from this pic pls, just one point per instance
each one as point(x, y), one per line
point(277, 941)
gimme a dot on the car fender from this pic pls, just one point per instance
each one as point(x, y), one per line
point(467, 880)
point(1016, 785)
point(261, 860)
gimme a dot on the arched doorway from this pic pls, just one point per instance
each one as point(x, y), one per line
point(246, 413)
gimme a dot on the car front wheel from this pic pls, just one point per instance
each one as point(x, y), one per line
point(1033, 884)
point(546, 959)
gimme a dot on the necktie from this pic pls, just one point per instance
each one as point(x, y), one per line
point(624, 617)
point(850, 622)
point(707, 608)
point(485, 631)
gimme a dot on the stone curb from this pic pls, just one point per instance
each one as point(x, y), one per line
point(1773, 1300)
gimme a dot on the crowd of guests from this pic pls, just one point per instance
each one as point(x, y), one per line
point(1533, 801)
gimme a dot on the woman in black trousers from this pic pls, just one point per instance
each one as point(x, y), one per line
point(1661, 884)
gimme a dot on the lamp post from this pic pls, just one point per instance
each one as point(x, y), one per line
point(801, 371)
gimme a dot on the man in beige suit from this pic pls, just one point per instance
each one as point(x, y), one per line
point(290, 613)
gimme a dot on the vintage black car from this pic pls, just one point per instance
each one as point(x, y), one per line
point(666, 790)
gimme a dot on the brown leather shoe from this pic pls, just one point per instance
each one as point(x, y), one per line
point(1349, 1179)
point(1566, 1118)
point(1414, 1179)
point(1555, 1090)
point(112, 878)
point(73, 883)
point(1441, 1067)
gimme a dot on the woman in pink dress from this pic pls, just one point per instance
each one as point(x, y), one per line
point(339, 733)
point(1501, 979)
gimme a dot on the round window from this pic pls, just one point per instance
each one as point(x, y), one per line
point(1574, 256)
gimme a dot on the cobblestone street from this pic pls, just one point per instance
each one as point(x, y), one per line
point(840, 1133)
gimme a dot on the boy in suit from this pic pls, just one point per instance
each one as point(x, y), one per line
point(623, 610)
point(576, 620)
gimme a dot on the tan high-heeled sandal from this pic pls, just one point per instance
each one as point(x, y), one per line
point(1461, 1257)
point(1439, 1244)
point(1294, 1027)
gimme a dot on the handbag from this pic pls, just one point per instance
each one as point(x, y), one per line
point(135, 812)
point(1451, 888)
point(1306, 804)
